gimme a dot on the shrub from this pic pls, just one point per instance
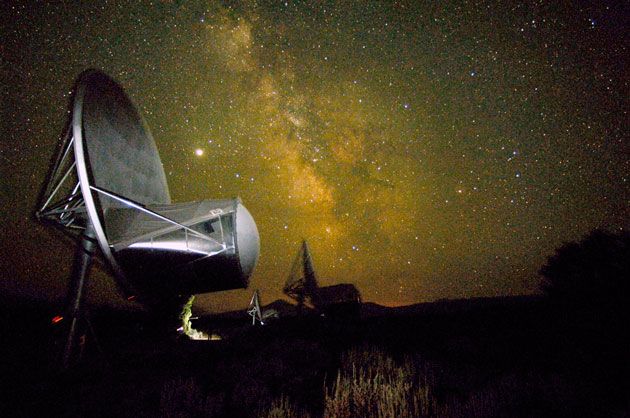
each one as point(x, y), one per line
point(591, 274)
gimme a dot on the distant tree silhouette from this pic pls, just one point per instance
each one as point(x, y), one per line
point(592, 275)
point(588, 287)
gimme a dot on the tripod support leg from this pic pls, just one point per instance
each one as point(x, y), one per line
point(81, 268)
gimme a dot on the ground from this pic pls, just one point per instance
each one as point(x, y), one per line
point(484, 357)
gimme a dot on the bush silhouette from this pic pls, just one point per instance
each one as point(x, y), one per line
point(591, 277)
point(588, 288)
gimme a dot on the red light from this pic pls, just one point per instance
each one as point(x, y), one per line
point(57, 319)
point(131, 298)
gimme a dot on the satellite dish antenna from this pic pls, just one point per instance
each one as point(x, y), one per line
point(301, 285)
point(108, 189)
point(257, 313)
point(342, 299)
point(254, 308)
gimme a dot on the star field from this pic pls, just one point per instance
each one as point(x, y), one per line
point(424, 151)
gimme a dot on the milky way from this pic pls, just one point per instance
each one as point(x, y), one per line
point(424, 152)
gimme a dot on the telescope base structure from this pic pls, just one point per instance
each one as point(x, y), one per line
point(76, 293)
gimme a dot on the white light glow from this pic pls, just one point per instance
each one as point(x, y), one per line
point(168, 245)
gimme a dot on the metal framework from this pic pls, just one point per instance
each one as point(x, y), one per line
point(62, 202)
point(63, 205)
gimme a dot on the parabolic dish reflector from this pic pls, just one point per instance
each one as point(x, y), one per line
point(120, 194)
point(118, 146)
point(113, 151)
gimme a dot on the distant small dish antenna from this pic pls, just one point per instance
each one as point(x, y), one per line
point(342, 299)
point(108, 189)
point(262, 316)
point(254, 308)
point(301, 285)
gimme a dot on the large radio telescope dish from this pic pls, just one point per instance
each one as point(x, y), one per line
point(109, 184)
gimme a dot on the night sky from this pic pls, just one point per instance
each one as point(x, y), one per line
point(424, 151)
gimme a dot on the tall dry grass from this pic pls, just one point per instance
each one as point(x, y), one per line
point(371, 384)
point(283, 408)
